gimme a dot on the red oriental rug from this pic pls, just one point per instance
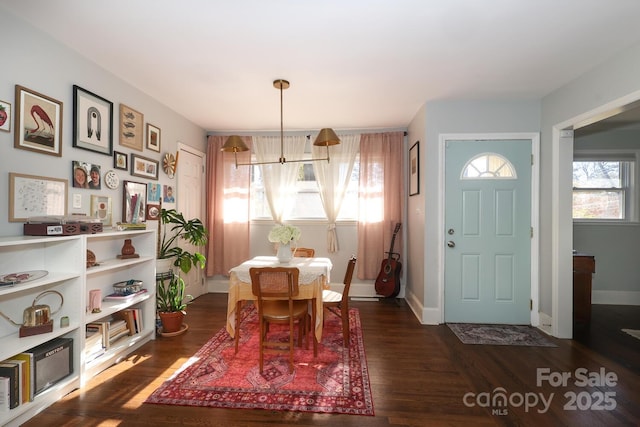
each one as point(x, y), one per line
point(337, 381)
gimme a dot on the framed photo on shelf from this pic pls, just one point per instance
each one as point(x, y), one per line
point(32, 196)
point(120, 160)
point(5, 116)
point(38, 123)
point(414, 169)
point(153, 137)
point(101, 209)
point(131, 128)
point(92, 121)
point(144, 167)
point(134, 201)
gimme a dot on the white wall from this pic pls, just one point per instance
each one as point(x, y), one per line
point(447, 117)
point(414, 227)
point(31, 59)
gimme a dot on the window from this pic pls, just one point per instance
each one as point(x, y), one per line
point(308, 204)
point(603, 188)
point(488, 166)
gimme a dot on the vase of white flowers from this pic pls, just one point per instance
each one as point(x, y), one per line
point(284, 235)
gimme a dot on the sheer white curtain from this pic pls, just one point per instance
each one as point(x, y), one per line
point(333, 179)
point(279, 179)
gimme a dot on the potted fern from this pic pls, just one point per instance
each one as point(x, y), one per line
point(171, 302)
point(176, 227)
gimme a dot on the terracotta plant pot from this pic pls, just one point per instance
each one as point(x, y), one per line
point(172, 321)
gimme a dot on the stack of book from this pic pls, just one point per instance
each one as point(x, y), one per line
point(132, 318)
point(17, 381)
point(123, 226)
point(93, 343)
point(101, 335)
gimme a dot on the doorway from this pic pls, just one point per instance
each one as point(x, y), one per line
point(561, 298)
point(190, 201)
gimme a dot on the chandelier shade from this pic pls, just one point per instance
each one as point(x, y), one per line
point(326, 138)
point(234, 144)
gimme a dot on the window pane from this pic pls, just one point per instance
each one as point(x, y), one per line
point(492, 166)
point(597, 174)
point(308, 202)
point(598, 204)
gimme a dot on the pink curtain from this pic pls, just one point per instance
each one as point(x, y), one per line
point(227, 207)
point(381, 191)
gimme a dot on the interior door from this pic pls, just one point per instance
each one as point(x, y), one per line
point(488, 231)
point(190, 198)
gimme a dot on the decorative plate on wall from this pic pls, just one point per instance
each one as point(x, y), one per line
point(111, 179)
point(169, 164)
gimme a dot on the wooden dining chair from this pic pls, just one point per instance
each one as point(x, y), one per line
point(275, 288)
point(338, 303)
point(303, 252)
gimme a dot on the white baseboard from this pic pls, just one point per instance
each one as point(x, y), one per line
point(426, 315)
point(546, 323)
point(615, 297)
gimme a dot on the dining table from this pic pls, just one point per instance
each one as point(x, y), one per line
point(313, 278)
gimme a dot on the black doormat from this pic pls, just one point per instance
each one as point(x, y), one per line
point(523, 335)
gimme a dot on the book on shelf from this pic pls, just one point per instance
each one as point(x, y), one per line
point(5, 394)
point(128, 316)
point(103, 330)
point(29, 369)
point(120, 297)
point(118, 336)
point(116, 326)
point(137, 317)
point(122, 226)
point(93, 347)
point(23, 374)
point(12, 371)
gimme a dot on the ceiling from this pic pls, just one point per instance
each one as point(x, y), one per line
point(352, 64)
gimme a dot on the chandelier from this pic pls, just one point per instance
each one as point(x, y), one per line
point(326, 137)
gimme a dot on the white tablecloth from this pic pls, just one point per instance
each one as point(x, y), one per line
point(314, 275)
point(310, 268)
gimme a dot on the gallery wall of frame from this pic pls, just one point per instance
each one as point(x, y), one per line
point(133, 148)
point(60, 111)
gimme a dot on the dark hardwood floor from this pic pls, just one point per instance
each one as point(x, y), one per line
point(420, 376)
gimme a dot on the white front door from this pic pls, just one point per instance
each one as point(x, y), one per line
point(190, 200)
point(488, 231)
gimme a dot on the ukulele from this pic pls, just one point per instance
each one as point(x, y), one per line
point(388, 280)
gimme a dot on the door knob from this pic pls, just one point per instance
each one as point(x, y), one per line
point(451, 244)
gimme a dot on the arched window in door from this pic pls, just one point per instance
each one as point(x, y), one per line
point(488, 166)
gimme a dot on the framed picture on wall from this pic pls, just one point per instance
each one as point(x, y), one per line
point(131, 128)
point(38, 122)
point(92, 121)
point(414, 169)
point(153, 212)
point(120, 160)
point(144, 167)
point(153, 137)
point(32, 196)
point(101, 208)
point(5, 116)
point(134, 202)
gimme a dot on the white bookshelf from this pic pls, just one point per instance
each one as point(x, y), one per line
point(64, 258)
